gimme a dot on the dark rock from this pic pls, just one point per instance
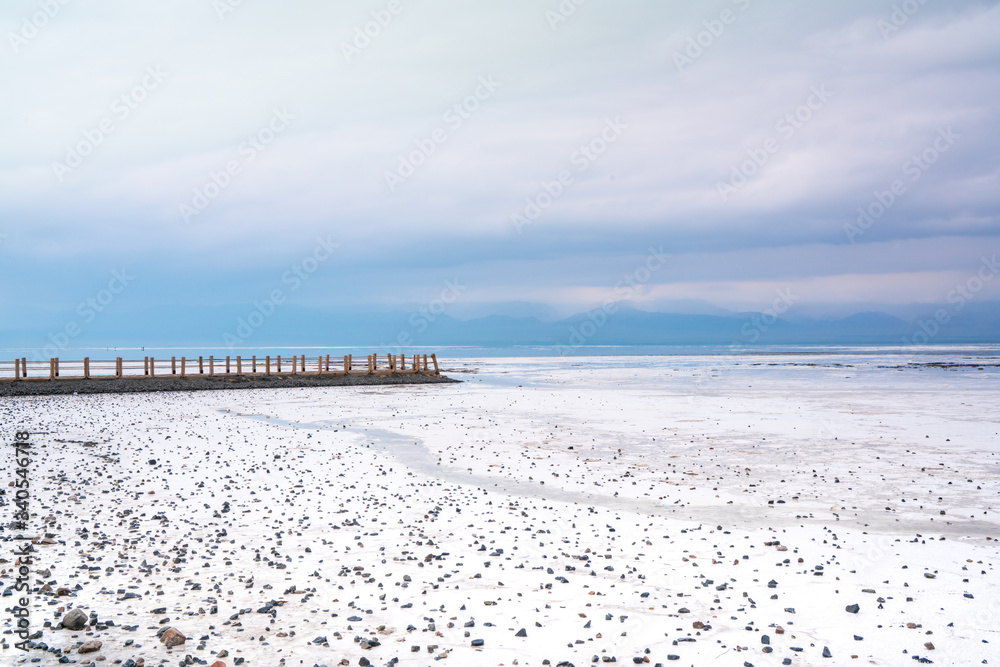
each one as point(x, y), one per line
point(74, 620)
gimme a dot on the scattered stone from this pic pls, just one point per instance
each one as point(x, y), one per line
point(91, 646)
point(74, 620)
point(172, 637)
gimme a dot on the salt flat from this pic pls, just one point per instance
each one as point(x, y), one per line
point(675, 510)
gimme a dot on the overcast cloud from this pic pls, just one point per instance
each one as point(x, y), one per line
point(206, 146)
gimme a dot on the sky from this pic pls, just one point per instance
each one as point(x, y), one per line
point(550, 155)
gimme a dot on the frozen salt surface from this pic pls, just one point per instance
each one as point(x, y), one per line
point(607, 506)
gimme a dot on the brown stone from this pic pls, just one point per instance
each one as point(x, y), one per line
point(91, 646)
point(697, 625)
point(173, 637)
point(218, 663)
point(778, 630)
point(929, 646)
point(63, 591)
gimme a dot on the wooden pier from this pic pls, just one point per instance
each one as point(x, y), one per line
point(22, 370)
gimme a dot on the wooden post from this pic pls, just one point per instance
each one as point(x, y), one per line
point(227, 364)
point(416, 363)
point(54, 368)
point(239, 365)
point(328, 363)
point(319, 365)
point(86, 368)
point(425, 363)
point(17, 369)
point(119, 367)
point(152, 367)
point(402, 362)
point(145, 366)
point(255, 363)
point(183, 366)
point(24, 367)
point(437, 371)
point(267, 365)
point(350, 363)
point(211, 365)
point(345, 364)
point(303, 362)
point(279, 363)
point(173, 365)
point(295, 361)
point(201, 366)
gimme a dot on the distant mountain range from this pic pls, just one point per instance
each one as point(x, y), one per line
point(619, 324)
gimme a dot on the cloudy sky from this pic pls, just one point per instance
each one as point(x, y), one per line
point(533, 151)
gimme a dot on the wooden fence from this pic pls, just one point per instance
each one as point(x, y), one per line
point(21, 370)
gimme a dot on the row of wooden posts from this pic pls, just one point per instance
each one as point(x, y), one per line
point(395, 364)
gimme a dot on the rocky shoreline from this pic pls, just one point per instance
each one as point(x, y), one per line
point(207, 383)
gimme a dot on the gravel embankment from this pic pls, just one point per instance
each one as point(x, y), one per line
point(207, 383)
